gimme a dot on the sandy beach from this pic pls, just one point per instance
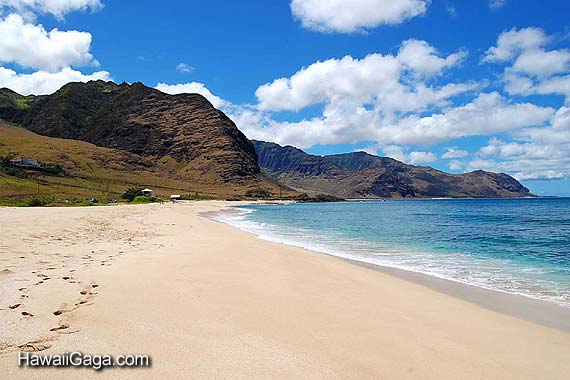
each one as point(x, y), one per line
point(207, 301)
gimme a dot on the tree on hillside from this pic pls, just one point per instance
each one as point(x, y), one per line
point(131, 193)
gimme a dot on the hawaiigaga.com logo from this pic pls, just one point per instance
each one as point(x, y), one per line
point(80, 360)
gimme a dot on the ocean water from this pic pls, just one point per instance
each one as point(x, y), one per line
point(519, 246)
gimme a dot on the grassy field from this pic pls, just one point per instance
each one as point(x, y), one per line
point(89, 171)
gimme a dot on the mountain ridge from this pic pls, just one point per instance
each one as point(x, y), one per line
point(185, 138)
point(183, 133)
point(361, 175)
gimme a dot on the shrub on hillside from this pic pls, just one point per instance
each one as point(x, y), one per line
point(257, 193)
point(131, 193)
point(35, 202)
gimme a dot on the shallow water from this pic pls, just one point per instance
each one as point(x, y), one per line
point(519, 246)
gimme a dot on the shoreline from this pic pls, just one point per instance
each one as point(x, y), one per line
point(546, 313)
point(208, 300)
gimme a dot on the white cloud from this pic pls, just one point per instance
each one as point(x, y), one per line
point(542, 63)
point(539, 153)
point(30, 45)
point(454, 153)
point(42, 82)
point(489, 113)
point(192, 88)
point(373, 79)
point(413, 158)
point(532, 69)
point(497, 4)
point(396, 152)
point(347, 16)
point(58, 8)
point(372, 149)
point(52, 53)
point(184, 68)
point(514, 42)
point(349, 123)
point(455, 165)
point(417, 157)
point(424, 59)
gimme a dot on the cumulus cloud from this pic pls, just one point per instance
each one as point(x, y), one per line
point(43, 82)
point(418, 157)
point(193, 88)
point(375, 78)
point(489, 113)
point(532, 69)
point(536, 153)
point(424, 59)
point(184, 68)
point(455, 165)
point(514, 42)
point(350, 121)
point(58, 8)
point(52, 53)
point(413, 158)
point(542, 63)
point(347, 16)
point(31, 46)
point(454, 153)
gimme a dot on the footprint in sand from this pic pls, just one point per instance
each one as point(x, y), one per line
point(60, 327)
point(34, 347)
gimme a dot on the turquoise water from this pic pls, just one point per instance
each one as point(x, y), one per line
point(519, 246)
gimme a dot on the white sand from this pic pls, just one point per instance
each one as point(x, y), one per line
point(208, 301)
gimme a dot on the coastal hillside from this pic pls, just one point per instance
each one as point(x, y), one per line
point(361, 175)
point(184, 134)
point(71, 169)
point(105, 135)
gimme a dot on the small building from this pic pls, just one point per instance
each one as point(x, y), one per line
point(25, 163)
point(147, 192)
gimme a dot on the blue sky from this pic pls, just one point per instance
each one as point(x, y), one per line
point(458, 85)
